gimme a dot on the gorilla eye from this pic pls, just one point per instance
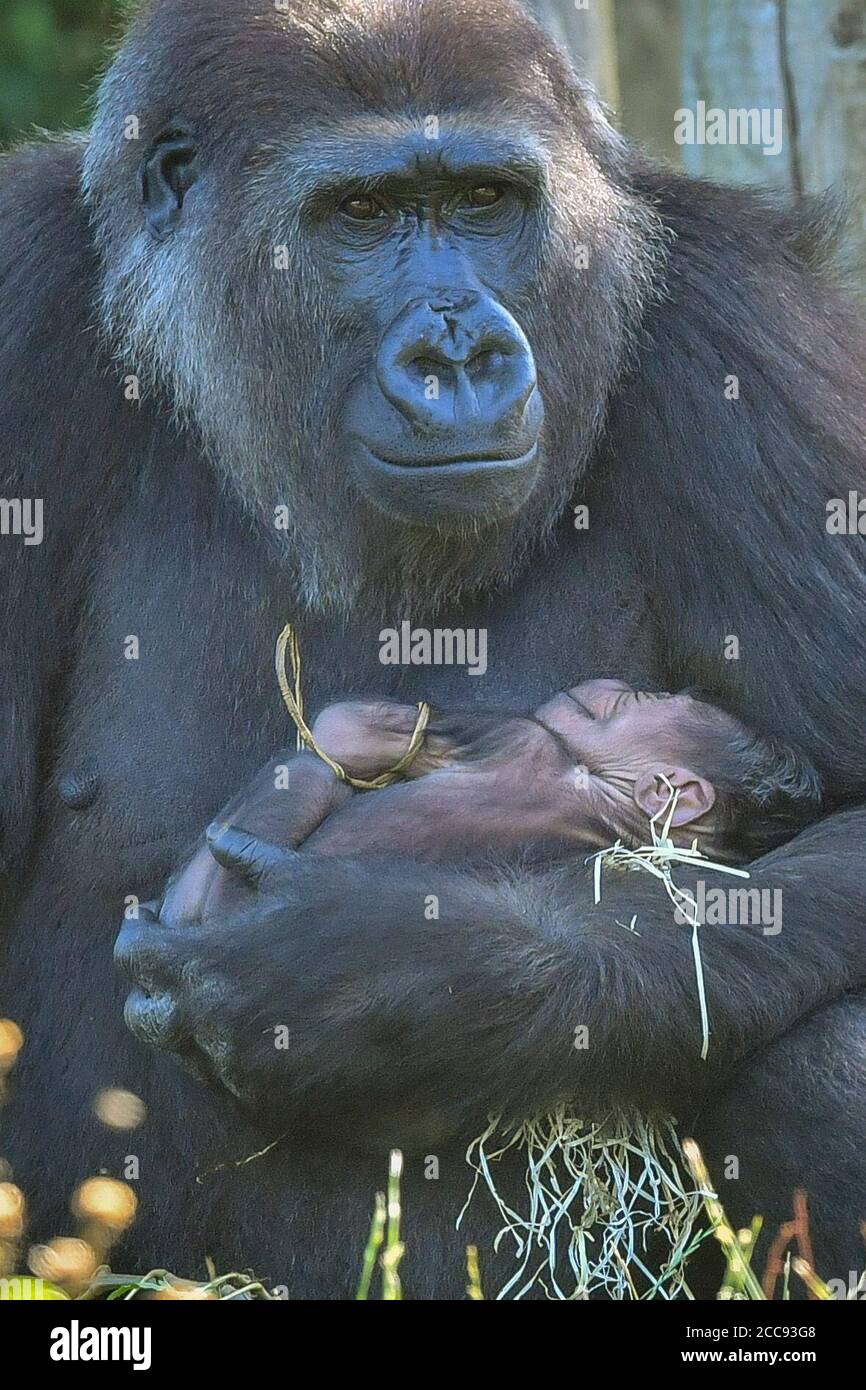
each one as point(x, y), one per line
point(361, 208)
point(484, 195)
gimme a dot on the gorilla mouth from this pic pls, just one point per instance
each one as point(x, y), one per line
point(477, 486)
point(460, 463)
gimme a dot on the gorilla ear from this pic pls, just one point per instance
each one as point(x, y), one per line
point(696, 795)
point(167, 173)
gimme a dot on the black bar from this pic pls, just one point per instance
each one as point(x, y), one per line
point(655, 1336)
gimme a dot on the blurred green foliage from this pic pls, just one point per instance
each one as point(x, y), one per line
point(50, 51)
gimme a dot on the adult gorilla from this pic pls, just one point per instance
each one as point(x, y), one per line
point(291, 222)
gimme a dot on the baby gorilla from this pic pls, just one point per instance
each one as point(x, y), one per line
point(593, 765)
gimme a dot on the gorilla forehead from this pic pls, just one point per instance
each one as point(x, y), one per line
point(327, 58)
point(395, 151)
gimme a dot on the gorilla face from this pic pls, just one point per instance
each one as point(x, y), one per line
point(384, 269)
point(418, 241)
point(444, 424)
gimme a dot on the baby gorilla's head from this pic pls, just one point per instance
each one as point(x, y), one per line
point(737, 793)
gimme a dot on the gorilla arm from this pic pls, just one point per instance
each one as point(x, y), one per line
point(407, 1028)
point(52, 462)
point(752, 390)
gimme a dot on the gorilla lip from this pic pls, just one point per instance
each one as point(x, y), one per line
point(483, 487)
point(462, 463)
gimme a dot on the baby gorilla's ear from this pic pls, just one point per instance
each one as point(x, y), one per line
point(696, 796)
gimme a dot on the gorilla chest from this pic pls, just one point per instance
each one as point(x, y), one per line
point(173, 701)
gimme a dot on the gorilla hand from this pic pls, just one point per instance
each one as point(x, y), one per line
point(315, 1000)
point(414, 999)
point(284, 803)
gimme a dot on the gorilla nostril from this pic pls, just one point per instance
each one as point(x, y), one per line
point(484, 363)
point(428, 366)
point(457, 361)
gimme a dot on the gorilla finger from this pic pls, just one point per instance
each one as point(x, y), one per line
point(154, 1019)
point(145, 952)
point(256, 861)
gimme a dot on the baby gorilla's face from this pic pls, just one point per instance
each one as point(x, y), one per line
point(611, 727)
point(636, 745)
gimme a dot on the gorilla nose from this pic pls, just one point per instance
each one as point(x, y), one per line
point(457, 361)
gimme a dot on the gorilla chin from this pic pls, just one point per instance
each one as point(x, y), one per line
point(451, 492)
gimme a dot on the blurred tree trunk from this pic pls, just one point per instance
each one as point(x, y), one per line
point(630, 52)
point(587, 34)
point(808, 59)
point(648, 48)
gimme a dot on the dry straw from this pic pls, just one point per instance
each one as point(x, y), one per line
point(293, 698)
point(610, 1207)
point(658, 859)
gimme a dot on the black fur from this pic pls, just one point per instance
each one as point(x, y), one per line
point(707, 519)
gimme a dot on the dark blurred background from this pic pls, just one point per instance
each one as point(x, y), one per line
point(648, 58)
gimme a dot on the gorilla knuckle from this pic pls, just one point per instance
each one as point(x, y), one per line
point(143, 951)
point(154, 1019)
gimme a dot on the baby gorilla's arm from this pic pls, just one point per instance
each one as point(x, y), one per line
point(367, 737)
point(482, 786)
point(496, 786)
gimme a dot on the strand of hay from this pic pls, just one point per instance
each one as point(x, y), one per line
point(596, 1196)
point(658, 858)
point(293, 698)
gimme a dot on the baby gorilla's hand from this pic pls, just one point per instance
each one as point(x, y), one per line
point(369, 737)
point(366, 737)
